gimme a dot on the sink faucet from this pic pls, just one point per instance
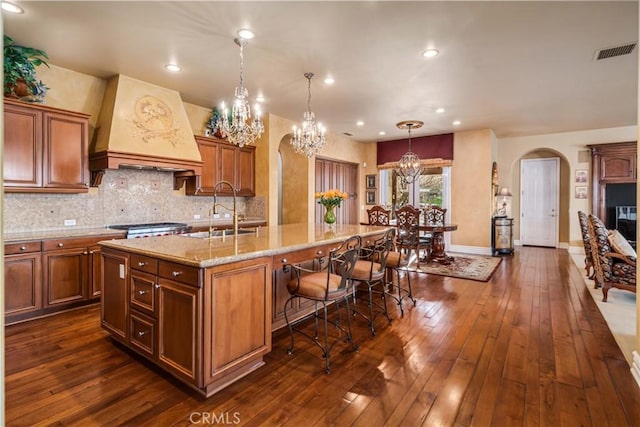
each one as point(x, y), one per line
point(214, 208)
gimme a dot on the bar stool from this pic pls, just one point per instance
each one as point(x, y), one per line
point(371, 270)
point(330, 284)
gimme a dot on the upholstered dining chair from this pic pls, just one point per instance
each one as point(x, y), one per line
point(378, 215)
point(613, 262)
point(586, 241)
point(407, 223)
point(371, 270)
point(330, 284)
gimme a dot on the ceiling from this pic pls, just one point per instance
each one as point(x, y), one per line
point(519, 68)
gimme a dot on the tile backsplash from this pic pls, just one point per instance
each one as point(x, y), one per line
point(124, 196)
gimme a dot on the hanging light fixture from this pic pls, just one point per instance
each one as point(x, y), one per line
point(409, 165)
point(309, 139)
point(240, 129)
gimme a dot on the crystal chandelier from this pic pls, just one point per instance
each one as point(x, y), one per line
point(309, 139)
point(409, 165)
point(240, 129)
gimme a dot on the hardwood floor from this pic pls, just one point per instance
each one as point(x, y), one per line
point(529, 347)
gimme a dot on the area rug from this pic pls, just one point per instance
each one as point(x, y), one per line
point(464, 266)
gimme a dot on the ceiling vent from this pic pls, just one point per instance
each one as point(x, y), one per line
point(347, 134)
point(615, 51)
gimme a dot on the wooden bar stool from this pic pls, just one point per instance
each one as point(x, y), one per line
point(328, 285)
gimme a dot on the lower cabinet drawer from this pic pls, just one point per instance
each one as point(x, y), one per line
point(179, 272)
point(143, 333)
point(143, 292)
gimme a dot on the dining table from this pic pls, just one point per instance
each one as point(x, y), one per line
point(438, 253)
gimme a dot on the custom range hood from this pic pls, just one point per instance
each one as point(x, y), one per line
point(143, 126)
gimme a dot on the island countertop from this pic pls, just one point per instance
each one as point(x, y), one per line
point(267, 241)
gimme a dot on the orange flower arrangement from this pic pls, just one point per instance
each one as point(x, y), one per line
point(331, 198)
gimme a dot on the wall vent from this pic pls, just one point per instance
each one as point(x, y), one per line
point(615, 51)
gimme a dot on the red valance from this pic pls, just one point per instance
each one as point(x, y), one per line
point(426, 147)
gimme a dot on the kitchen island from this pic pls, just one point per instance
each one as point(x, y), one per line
point(203, 309)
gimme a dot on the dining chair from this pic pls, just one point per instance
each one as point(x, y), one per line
point(330, 284)
point(409, 240)
point(378, 215)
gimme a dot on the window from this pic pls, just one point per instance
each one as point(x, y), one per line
point(431, 189)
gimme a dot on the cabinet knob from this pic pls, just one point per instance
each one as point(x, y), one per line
point(23, 248)
point(85, 253)
point(284, 261)
point(176, 273)
point(319, 253)
point(142, 292)
point(156, 286)
point(92, 252)
point(60, 245)
point(141, 264)
point(141, 333)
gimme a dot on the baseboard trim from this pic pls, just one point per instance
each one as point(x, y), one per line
point(476, 250)
point(635, 367)
point(576, 250)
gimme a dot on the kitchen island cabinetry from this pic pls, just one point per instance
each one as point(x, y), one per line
point(223, 161)
point(46, 149)
point(204, 309)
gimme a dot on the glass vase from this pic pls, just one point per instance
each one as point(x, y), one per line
point(329, 215)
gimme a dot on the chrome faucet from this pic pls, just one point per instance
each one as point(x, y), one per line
point(214, 208)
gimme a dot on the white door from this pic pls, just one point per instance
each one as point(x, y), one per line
point(539, 182)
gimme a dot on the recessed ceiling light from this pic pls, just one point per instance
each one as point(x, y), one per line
point(430, 53)
point(360, 123)
point(245, 34)
point(439, 110)
point(329, 80)
point(456, 122)
point(11, 8)
point(173, 68)
point(382, 133)
point(260, 98)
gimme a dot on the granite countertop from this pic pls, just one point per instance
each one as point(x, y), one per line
point(269, 241)
point(60, 233)
point(68, 232)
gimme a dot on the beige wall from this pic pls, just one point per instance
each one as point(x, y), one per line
point(568, 146)
point(471, 198)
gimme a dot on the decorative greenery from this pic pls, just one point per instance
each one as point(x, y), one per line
point(212, 123)
point(331, 198)
point(20, 63)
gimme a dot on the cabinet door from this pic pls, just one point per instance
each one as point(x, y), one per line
point(115, 295)
point(65, 276)
point(22, 283)
point(95, 270)
point(209, 152)
point(245, 173)
point(22, 159)
point(67, 151)
point(227, 167)
point(619, 167)
point(178, 329)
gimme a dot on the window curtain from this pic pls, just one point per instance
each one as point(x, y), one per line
point(433, 151)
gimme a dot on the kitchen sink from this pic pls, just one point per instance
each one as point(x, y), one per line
point(218, 233)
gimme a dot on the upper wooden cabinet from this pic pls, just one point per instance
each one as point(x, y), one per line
point(45, 149)
point(223, 161)
point(614, 163)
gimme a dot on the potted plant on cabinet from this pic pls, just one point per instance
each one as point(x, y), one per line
point(20, 64)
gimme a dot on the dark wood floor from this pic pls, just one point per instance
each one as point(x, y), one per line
point(528, 348)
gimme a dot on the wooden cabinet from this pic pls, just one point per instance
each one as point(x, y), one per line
point(22, 279)
point(611, 164)
point(223, 161)
point(42, 277)
point(114, 311)
point(46, 149)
